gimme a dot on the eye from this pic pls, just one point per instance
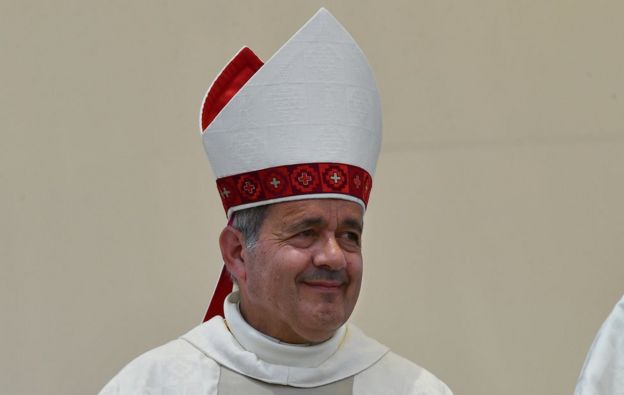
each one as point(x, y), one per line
point(353, 238)
point(303, 239)
point(306, 233)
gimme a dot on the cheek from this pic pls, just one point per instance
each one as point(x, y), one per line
point(258, 274)
point(279, 276)
point(292, 263)
point(355, 271)
point(294, 256)
point(355, 267)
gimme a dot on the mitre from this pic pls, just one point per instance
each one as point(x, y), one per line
point(304, 125)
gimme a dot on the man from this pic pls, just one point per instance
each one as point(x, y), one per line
point(294, 144)
point(603, 370)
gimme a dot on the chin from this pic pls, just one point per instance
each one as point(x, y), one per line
point(322, 324)
point(317, 336)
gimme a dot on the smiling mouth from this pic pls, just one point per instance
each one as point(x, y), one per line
point(324, 285)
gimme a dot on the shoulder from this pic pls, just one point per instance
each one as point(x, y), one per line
point(176, 364)
point(603, 370)
point(393, 374)
point(398, 375)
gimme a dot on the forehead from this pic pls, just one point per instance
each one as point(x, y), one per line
point(329, 210)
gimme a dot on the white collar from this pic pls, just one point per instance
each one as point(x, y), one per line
point(272, 350)
point(355, 352)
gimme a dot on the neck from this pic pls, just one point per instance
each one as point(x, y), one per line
point(277, 350)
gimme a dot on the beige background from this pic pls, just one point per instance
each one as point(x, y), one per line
point(494, 236)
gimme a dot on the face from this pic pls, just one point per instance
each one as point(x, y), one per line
point(303, 276)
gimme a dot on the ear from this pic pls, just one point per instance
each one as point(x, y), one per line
point(232, 244)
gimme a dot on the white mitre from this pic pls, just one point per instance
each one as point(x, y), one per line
point(306, 124)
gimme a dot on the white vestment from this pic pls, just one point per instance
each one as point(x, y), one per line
point(230, 357)
point(603, 371)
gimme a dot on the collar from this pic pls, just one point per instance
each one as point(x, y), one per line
point(347, 353)
point(272, 350)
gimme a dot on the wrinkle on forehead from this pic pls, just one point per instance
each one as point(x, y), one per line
point(315, 212)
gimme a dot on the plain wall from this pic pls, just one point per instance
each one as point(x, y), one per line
point(493, 241)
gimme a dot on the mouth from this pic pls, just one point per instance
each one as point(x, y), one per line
point(324, 285)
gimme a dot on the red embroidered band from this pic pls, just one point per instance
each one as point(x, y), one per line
point(294, 180)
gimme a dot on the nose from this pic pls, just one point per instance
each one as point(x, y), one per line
point(329, 254)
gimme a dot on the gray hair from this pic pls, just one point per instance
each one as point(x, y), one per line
point(248, 222)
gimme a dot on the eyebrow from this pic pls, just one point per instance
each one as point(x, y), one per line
point(305, 223)
point(353, 223)
point(317, 221)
